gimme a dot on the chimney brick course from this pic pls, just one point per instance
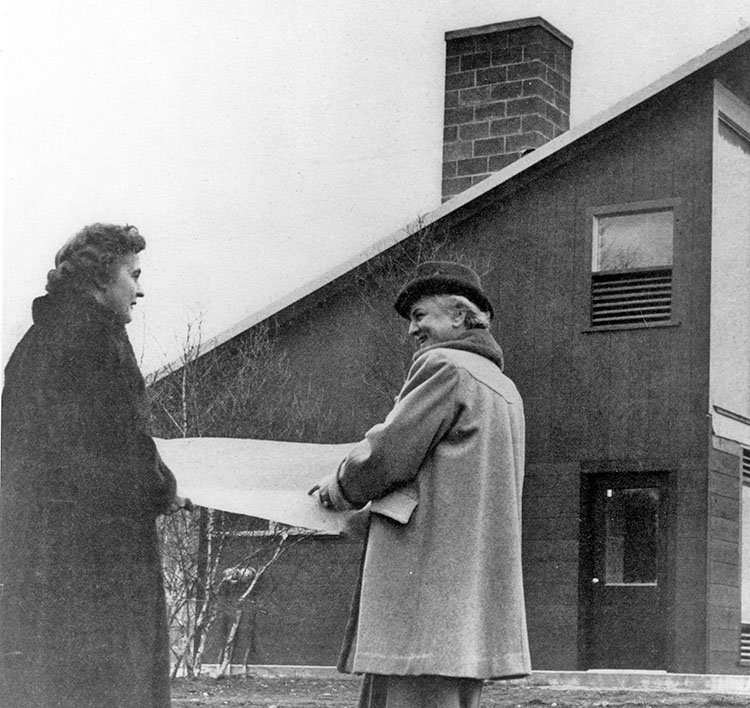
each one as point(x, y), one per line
point(473, 131)
point(507, 90)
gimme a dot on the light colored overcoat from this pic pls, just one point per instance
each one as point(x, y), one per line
point(443, 593)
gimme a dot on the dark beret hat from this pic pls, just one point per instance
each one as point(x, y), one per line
point(442, 278)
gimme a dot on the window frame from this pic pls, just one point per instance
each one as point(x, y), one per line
point(592, 214)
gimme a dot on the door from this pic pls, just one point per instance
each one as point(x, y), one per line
point(623, 571)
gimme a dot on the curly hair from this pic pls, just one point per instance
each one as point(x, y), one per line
point(91, 257)
point(474, 318)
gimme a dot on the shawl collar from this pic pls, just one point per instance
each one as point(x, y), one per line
point(477, 341)
point(73, 308)
point(78, 320)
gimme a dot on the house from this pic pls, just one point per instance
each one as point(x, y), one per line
point(617, 254)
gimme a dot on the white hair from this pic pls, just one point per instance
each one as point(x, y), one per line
point(474, 318)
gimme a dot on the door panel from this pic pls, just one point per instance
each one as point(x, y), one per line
point(623, 572)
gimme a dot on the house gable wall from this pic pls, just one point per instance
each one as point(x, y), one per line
point(638, 396)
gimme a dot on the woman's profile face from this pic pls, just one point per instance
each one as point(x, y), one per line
point(121, 293)
point(432, 322)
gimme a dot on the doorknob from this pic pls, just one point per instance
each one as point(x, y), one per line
point(594, 581)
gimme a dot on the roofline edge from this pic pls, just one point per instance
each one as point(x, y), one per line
point(486, 185)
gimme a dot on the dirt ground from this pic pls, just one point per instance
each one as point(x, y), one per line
point(342, 693)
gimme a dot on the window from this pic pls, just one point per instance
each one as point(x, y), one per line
point(631, 264)
point(631, 534)
point(629, 241)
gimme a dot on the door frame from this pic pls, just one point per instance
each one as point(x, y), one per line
point(591, 480)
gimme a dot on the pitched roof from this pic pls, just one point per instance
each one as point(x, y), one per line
point(481, 188)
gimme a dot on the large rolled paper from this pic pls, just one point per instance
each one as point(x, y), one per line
point(267, 479)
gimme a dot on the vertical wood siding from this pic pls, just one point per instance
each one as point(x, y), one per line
point(724, 572)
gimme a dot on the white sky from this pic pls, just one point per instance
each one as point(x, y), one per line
point(257, 143)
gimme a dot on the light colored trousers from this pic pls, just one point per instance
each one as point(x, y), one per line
point(419, 692)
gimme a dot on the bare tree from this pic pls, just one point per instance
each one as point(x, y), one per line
point(244, 389)
point(246, 578)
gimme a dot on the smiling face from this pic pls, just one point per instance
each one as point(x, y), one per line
point(433, 322)
point(121, 293)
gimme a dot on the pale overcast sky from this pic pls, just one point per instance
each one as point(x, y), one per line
point(258, 143)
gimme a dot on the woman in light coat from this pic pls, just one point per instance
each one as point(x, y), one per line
point(440, 604)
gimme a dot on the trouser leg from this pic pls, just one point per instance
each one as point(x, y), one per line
point(419, 692)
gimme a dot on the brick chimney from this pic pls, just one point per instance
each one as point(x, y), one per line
point(507, 90)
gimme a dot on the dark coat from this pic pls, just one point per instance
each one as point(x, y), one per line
point(443, 593)
point(83, 612)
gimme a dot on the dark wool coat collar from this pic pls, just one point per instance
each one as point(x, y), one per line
point(94, 331)
point(73, 308)
point(477, 341)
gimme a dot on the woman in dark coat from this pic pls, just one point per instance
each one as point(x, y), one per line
point(440, 606)
point(83, 611)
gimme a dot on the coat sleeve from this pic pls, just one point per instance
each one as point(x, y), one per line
point(393, 451)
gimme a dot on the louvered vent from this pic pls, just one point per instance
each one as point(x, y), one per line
point(746, 465)
point(631, 297)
